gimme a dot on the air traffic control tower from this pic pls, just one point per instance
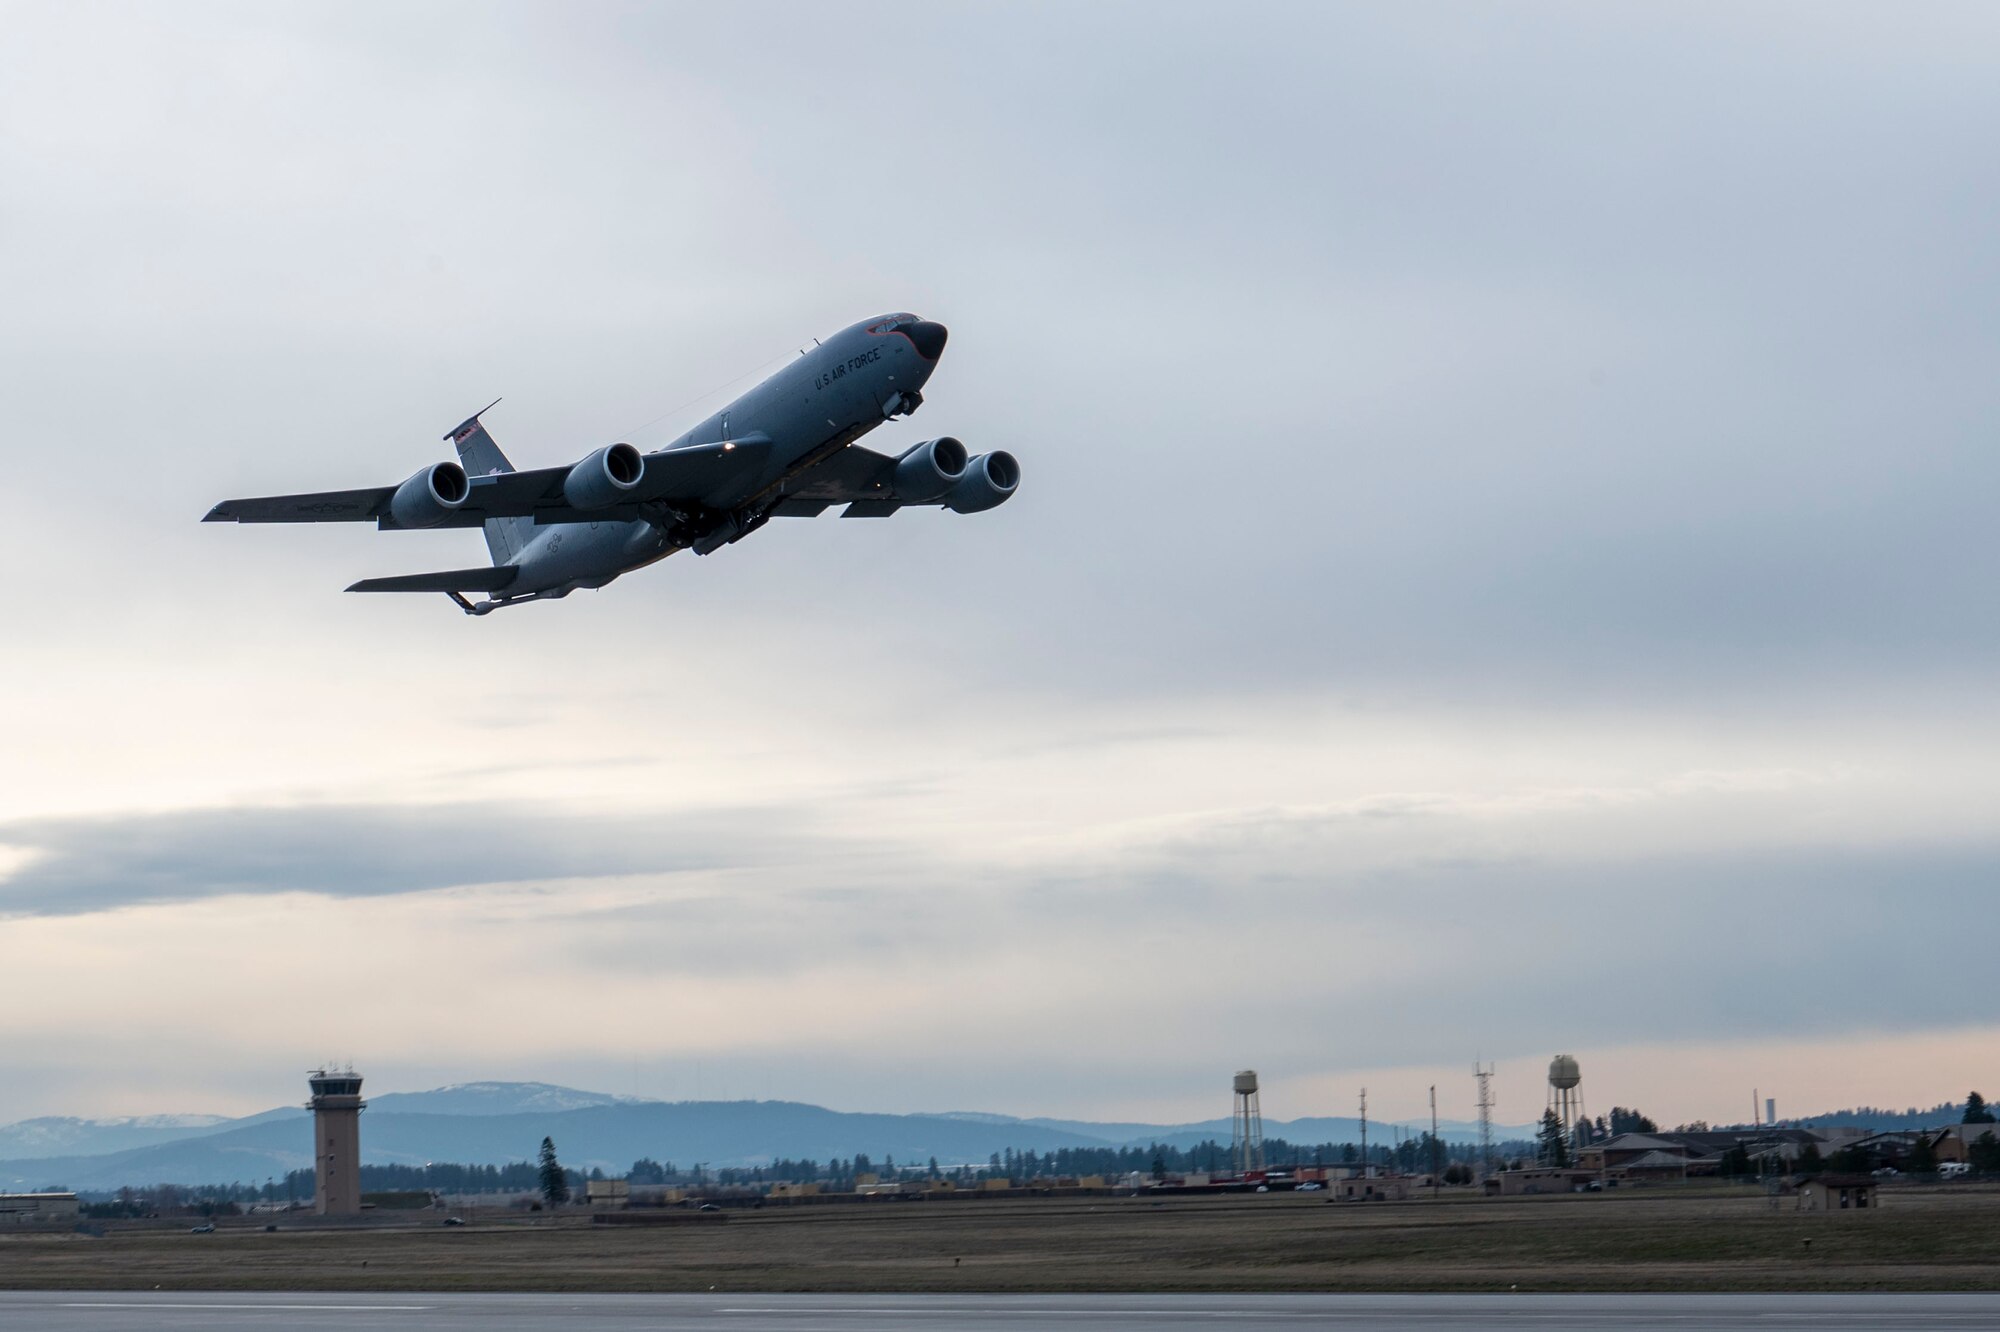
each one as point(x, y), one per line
point(336, 1105)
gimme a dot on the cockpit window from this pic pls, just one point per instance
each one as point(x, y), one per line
point(895, 323)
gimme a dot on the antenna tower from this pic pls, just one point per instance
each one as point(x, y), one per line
point(1366, 1173)
point(1435, 1166)
point(1484, 1075)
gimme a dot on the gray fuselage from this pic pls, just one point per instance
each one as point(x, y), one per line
point(829, 397)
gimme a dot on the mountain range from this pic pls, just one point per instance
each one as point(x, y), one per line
point(499, 1122)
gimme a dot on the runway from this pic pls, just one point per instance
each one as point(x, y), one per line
point(115, 1311)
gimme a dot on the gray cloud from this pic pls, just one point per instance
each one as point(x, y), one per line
point(81, 865)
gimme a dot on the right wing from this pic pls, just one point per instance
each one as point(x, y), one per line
point(862, 479)
point(705, 474)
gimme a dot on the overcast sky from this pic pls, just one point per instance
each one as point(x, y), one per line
point(1503, 564)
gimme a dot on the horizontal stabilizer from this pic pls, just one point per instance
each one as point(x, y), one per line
point(451, 580)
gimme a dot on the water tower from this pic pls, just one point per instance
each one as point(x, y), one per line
point(1246, 1131)
point(1566, 1095)
point(336, 1105)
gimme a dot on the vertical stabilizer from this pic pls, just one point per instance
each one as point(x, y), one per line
point(482, 457)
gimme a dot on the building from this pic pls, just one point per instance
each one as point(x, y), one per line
point(336, 1105)
point(1656, 1155)
point(1836, 1193)
point(786, 1189)
point(39, 1209)
point(1378, 1188)
point(607, 1192)
point(1542, 1179)
point(1953, 1142)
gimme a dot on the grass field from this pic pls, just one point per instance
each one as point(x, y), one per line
point(1942, 1239)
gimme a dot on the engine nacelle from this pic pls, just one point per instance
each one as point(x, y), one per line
point(989, 481)
point(929, 470)
point(602, 479)
point(429, 497)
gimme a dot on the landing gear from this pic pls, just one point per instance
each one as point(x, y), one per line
point(488, 607)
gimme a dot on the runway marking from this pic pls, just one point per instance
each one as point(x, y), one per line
point(991, 1311)
point(289, 1309)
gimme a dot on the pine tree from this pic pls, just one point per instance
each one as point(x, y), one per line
point(1630, 1121)
point(555, 1184)
point(1554, 1150)
point(1976, 1111)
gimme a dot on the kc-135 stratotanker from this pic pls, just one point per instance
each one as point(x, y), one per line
point(784, 449)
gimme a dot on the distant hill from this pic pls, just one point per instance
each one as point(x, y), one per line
point(56, 1136)
point(608, 1137)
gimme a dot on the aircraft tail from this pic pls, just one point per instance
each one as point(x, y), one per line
point(482, 457)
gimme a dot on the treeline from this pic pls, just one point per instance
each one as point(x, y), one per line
point(1879, 1120)
point(297, 1187)
point(1411, 1155)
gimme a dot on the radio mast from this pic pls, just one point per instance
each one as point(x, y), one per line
point(1484, 1074)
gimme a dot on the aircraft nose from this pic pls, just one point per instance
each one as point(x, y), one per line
point(928, 338)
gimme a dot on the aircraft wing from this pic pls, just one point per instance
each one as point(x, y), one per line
point(326, 506)
point(700, 473)
point(862, 479)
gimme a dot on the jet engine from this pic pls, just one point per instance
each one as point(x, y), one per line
point(988, 482)
point(601, 480)
point(929, 470)
point(429, 497)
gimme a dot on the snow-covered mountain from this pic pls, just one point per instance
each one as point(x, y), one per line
point(494, 1098)
point(61, 1135)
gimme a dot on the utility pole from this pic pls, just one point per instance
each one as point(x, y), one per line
point(1434, 1142)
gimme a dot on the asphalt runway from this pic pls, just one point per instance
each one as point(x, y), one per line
point(60, 1312)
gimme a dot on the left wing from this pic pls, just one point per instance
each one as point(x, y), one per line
point(327, 506)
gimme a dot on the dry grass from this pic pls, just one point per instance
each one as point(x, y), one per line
point(1945, 1239)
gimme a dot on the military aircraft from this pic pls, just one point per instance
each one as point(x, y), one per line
point(785, 449)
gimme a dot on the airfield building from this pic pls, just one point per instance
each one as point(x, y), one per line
point(38, 1208)
point(336, 1105)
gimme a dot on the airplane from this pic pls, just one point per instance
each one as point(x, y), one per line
point(785, 449)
